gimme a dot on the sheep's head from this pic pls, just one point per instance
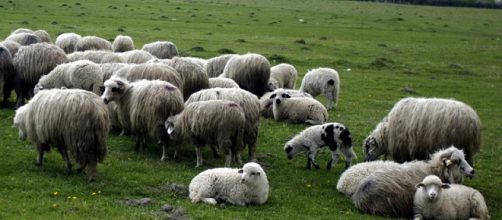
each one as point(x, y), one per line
point(371, 149)
point(113, 88)
point(169, 124)
point(279, 96)
point(19, 122)
point(453, 165)
point(273, 84)
point(431, 187)
point(251, 172)
point(37, 88)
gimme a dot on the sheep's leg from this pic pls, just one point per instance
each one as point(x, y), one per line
point(19, 100)
point(64, 154)
point(138, 144)
point(81, 168)
point(251, 152)
point(312, 159)
point(335, 156)
point(309, 164)
point(349, 156)
point(40, 158)
point(164, 154)
point(92, 170)
point(198, 152)
point(215, 152)
point(228, 157)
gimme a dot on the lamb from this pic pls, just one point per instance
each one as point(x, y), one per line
point(249, 103)
point(151, 71)
point(76, 122)
point(334, 135)
point(222, 83)
point(122, 44)
point(194, 76)
point(282, 76)
point(136, 56)
point(436, 200)
point(245, 186)
point(24, 38)
point(43, 35)
point(143, 107)
point(32, 62)
point(161, 49)
point(250, 71)
point(92, 43)
point(12, 46)
point(298, 109)
point(389, 191)
point(215, 122)
point(96, 56)
point(322, 81)
point(214, 66)
point(7, 74)
point(67, 41)
point(266, 102)
point(416, 127)
point(81, 74)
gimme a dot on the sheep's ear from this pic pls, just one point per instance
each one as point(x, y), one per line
point(345, 136)
point(419, 185)
point(240, 171)
point(288, 96)
point(273, 96)
point(445, 186)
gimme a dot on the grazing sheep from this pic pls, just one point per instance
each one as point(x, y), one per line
point(143, 107)
point(250, 71)
point(282, 76)
point(266, 102)
point(7, 74)
point(151, 71)
point(334, 135)
point(136, 56)
point(193, 75)
point(245, 186)
point(32, 62)
point(196, 60)
point(214, 66)
point(416, 127)
point(22, 30)
point(108, 69)
point(322, 81)
point(43, 35)
point(92, 43)
point(81, 74)
point(298, 109)
point(12, 46)
point(96, 56)
point(222, 83)
point(249, 103)
point(24, 38)
point(122, 44)
point(389, 191)
point(436, 200)
point(161, 49)
point(76, 122)
point(67, 41)
point(214, 122)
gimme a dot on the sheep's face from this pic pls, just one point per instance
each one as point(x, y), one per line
point(292, 148)
point(371, 149)
point(431, 187)
point(250, 173)
point(113, 88)
point(456, 167)
point(272, 84)
point(37, 88)
point(169, 124)
point(279, 97)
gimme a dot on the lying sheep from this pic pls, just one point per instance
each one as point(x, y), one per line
point(214, 122)
point(151, 71)
point(24, 38)
point(214, 66)
point(436, 200)
point(136, 56)
point(322, 81)
point(76, 122)
point(266, 102)
point(298, 109)
point(122, 44)
point(96, 56)
point(92, 43)
point(334, 135)
point(250, 71)
point(161, 49)
point(282, 76)
point(43, 35)
point(143, 107)
point(193, 75)
point(12, 46)
point(67, 41)
point(245, 186)
point(7, 74)
point(222, 83)
point(416, 127)
point(388, 191)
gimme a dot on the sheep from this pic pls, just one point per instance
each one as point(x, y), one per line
point(92, 43)
point(12, 46)
point(7, 74)
point(215, 122)
point(22, 30)
point(136, 56)
point(249, 103)
point(122, 44)
point(389, 191)
point(298, 109)
point(194, 76)
point(24, 38)
point(67, 41)
point(334, 135)
point(322, 81)
point(161, 49)
point(266, 102)
point(436, 200)
point(282, 76)
point(31, 62)
point(74, 121)
point(222, 83)
point(416, 127)
point(151, 71)
point(250, 71)
point(248, 185)
point(214, 66)
point(108, 69)
point(143, 106)
point(43, 35)
point(196, 60)
point(96, 56)
point(81, 74)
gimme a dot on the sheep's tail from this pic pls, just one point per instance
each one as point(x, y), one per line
point(313, 122)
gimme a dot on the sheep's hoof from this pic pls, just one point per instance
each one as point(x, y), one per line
point(317, 166)
point(69, 172)
point(163, 158)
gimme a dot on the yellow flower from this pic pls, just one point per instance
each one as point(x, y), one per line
point(93, 193)
point(74, 197)
point(55, 193)
point(54, 205)
point(308, 185)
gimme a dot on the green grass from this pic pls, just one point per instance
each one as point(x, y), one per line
point(436, 51)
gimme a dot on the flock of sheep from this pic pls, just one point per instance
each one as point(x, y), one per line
point(81, 87)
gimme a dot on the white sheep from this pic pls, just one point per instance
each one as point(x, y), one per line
point(298, 109)
point(267, 103)
point(43, 35)
point(67, 41)
point(437, 200)
point(192, 74)
point(334, 135)
point(161, 49)
point(245, 186)
point(136, 56)
point(96, 56)
point(219, 82)
point(24, 38)
point(250, 71)
point(214, 66)
point(122, 43)
point(93, 43)
point(322, 81)
point(151, 71)
point(282, 76)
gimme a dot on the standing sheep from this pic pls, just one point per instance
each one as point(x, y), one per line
point(245, 186)
point(282, 76)
point(122, 44)
point(24, 38)
point(43, 35)
point(436, 200)
point(334, 135)
point(161, 49)
point(214, 122)
point(96, 56)
point(267, 103)
point(416, 127)
point(322, 81)
point(298, 109)
point(67, 41)
point(193, 75)
point(7, 74)
point(151, 71)
point(136, 56)
point(214, 66)
point(76, 122)
point(219, 82)
point(250, 71)
point(92, 43)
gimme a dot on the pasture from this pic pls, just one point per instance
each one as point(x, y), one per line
point(383, 52)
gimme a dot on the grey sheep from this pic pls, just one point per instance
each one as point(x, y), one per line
point(24, 38)
point(12, 46)
point(151, 71)
point(122, 44)
point(67, 42)
point(322, 81)
point(92, 43)
point(250, 71)
point(267, 103)
point(214, 66)
point(136, 56)
point(219, 82)
point(43, 35)
point(298, 109)
point(161, 49)
point(108, 69)
point(7, 74)
point(192, 74)
point(96, 56)
point(282, 76)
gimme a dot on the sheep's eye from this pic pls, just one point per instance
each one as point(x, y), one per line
point(284, 95)
point(273, 96)
point(102, 88)
point(114, 89)
point(240, 171)
point(253, 173)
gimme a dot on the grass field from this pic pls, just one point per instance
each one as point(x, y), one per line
point(378, 50)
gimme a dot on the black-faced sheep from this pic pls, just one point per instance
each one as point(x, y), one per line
point(67, 41)
point(282, 76)
point(214, 66)
point(151, 71)
point(136, 56)
point(245, 186)
point(43, 35)
point(298, 109)
point(214, 122)
point(96, 56)
point(76, 122)
point(416, 127)
point(437, 200)
point(24, 38)
point(92, 43)
point(122, 44)
point(322, 81)
point(7, 74)
point(193, 75)
point(161, 49)
point(250, 71)
point(267, 103)
point(334, 135)
point(219, 82)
